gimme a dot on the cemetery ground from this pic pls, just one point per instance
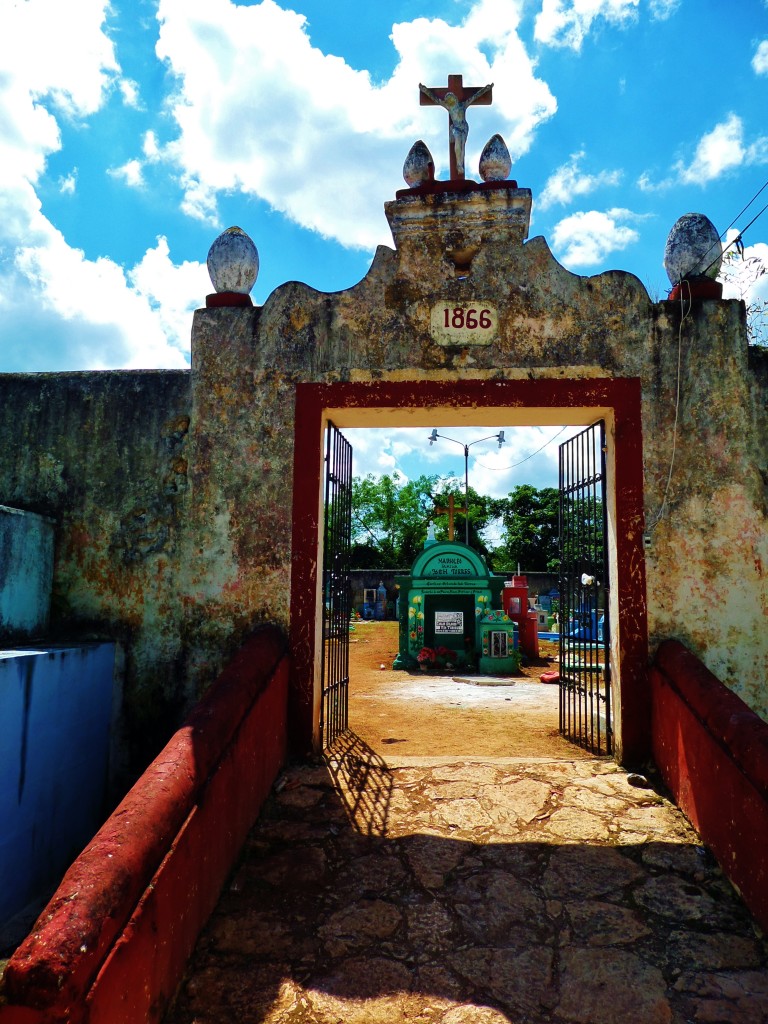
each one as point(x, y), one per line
point(452, 861)
point(423, 714)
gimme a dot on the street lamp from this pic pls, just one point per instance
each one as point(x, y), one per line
point(491, 437)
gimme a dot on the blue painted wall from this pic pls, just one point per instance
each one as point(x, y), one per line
point(26, 574)
point(55, 716)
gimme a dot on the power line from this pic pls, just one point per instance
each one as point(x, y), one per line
point(741, 233)
point(503, 469)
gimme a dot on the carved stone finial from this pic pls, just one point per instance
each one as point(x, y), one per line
point(233, 262)
point(693, 249)
point(419, 167)
point(495, 161)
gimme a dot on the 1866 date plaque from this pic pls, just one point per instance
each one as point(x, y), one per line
point(467, 324)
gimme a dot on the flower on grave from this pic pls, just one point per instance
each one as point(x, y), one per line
point(426, 656)
point(479, 610)
point(411, 612)
point(505, 618)
point(420, 616)
point(412, 634)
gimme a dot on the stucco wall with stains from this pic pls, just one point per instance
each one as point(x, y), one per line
point(104, 455)
point(172, 491)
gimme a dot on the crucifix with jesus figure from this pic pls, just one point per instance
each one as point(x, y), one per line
point(455, 99)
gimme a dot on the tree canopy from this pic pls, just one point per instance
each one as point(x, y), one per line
point(390, 517)
point(531, 532)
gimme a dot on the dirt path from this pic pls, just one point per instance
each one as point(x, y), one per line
point(432, 715)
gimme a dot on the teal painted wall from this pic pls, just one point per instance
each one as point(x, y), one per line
point(55, 716)
point(26, 574)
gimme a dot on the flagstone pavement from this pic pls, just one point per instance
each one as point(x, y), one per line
point(452, 891)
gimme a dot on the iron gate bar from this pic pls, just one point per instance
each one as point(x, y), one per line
point(337, 592)
point(585, 679)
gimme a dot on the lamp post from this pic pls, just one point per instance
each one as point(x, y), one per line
point(495, 437)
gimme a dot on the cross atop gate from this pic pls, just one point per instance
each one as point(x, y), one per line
point(455, 99)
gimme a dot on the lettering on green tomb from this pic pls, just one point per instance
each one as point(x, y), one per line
point(449, 565)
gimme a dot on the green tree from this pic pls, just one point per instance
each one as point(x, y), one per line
point(390, 517)
point(530, 537)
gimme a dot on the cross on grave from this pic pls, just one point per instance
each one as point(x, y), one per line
point(451, 510)
point(455, 99)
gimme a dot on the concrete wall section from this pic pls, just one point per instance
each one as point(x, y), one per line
point(55, 717)
point(26, 574)
point(104, 454)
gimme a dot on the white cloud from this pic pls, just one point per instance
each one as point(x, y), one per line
point(149, 146)
point(130, 93)
point(663, 9)
point(93, 314)
point(568, 182)
point(646, 184)
point(130, 172)
point(262, 111)
point(173, 291)
point(585, 239)
point(68, 184)
point(136, 324)
point(55, 52)
point(568, 22)
point(718, 151)
point(760, 59)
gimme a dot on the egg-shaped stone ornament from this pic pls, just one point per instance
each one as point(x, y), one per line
point(693, 249)
point(419, 167)
point(495, 161)
point(233, 262)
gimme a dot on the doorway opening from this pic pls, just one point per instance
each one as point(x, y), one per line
point(429, 404)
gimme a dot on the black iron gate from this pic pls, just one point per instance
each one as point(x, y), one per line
point(337, 590)
point(585, 677)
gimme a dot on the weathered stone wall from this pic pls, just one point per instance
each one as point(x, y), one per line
point(104, 454)
point(706, 532)
point(173, 491)
point(709, 537)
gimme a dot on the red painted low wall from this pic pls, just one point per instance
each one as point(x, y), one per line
point(712, 751)
point(112, 944)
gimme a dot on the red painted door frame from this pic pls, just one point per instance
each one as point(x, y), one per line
point(619, 397)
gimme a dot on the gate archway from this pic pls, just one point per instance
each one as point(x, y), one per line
point(489, 402)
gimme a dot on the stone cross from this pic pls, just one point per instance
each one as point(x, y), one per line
point(455, 99)
point(451, 510)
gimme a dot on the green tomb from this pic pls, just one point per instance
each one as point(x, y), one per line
point(450, 614)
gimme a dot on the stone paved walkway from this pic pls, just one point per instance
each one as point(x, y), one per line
point(444, 891)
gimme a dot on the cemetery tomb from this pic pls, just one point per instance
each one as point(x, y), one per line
point(451, 615)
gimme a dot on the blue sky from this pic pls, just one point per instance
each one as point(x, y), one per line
point(133, 131)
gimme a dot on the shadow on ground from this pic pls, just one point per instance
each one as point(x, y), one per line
point(473, 892)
